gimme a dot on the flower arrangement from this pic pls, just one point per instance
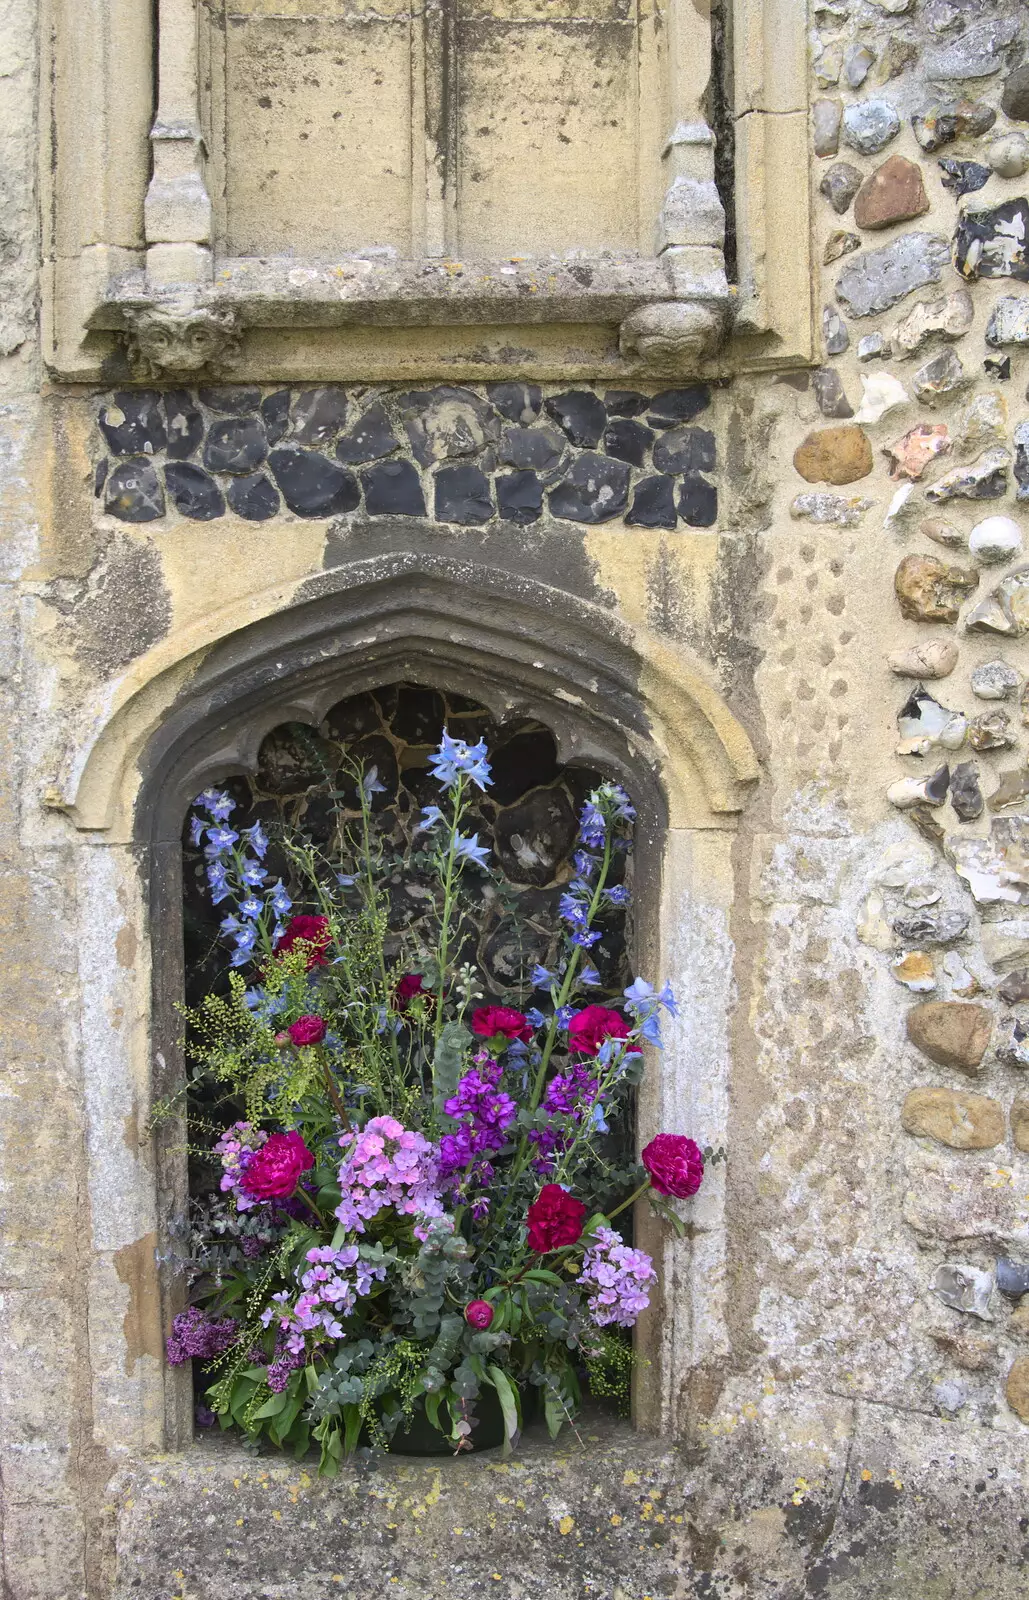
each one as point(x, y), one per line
point(417, 1204)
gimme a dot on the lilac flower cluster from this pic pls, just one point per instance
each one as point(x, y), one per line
point(237, 1147)
point(617, 1279)
point(330, 1293)
point(236, 875)
point(387, 1165)
point(194, 1333)
point(485, 1112)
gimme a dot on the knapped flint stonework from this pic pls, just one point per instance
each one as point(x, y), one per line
point(833, 1400)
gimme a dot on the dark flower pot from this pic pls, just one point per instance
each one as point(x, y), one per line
point(420, 1438)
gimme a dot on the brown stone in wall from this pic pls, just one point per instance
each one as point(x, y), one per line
point(1020, 1124)
point(1016, 1389)
point(930, 590)
point(894, 193)
point(834, 455)
point(951, 1033)
point(962, 1121)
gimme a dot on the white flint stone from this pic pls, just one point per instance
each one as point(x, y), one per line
point(964, 1288)
point(965, 481)
point(1009, 321)
point(934, 658)
point(995, 539)
point(873, 928)
point(845, 511)
point(896, 506)
point(1006, 609)
point(959, 979)
point(994, 680)
point(948, 318)
point(908, 792)
point(882, 392)
point(921, 893)
point(924, 722)
point(923, 984)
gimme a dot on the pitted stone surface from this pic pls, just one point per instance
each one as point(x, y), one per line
point(876, 279)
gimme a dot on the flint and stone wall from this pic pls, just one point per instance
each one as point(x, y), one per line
point(840, 1366)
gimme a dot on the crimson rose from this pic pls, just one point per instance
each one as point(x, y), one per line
point(555, 1219)
point(275, 1169)
point(307, 1030)
point(478, 1314)
point(409, 986)
point(490, 1020)
point(675, 1164)
point(313, 931)
point(589, 1028)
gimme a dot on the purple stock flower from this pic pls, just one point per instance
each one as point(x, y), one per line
point(486, 1113)
point(194, 1333)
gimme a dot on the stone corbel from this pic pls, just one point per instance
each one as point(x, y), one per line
point(177, 335)
point(672, 339)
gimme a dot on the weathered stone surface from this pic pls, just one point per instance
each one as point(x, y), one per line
point(370, 439)
point(1014, 100)
point(580, 414)
point(950, 317)
point(628, 440)
point(826, 116)
point(844, 511)
point(897, 56)
point(1014, 989)
point(830, 393)
point(677, 405)
point(981, 424)
point(874, 280)
point(193, 492)
point(996, 869)
point(994, 680)
point(951, 1117)
point(834, 332)
point(133, 425)
point(827, 66)
point(1009, 155)
point(869, 126)
point(942, 532)
point(871, 346)
point(834, 455)
point(685, 450)
point(517, 402)
point(858, 61)
point(991, 243)
point(653, 503)
point(995, 539)
point(985, 479)
point(185, 423)
point(997, 368)
point(462, 495)
point(393, 488)
point(882, 392)
point(914, 969)
point(1020, 1124)
point(1016, 1389)
point(939, 378)
point(133, 492)
point(931, 658)
point(839, 243)
point(446, 423)
point(978, 52)
point(519, 496)
point(967, 1352)
point(1012, 789)
point(1006, 608)
point(538, 449)
point(1013, 1043)
point(911, 454)
point(952, 119)
point(1021, 441)
point(840, 184)
point(907, 794)
point(893, 193)
point(238, 445)
point(697, 501)
point(930, 590)
point(927, 926)
point(1009, 321)
point(594, 489)
point(966, 796)
point(963, 177)
point(989, 731)
point(312, 486)
point(253, 497)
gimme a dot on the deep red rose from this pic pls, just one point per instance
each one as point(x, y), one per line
point(555, 1219)
point(275, 1169)
point(490, 1020)
point(478, 1314)
point(314, 931)
point(675, 1164)
point(589, 1028)
point(409, 986)
point(307, 1030)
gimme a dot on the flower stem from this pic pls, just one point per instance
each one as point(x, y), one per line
point(644, 1186)
point(298, 1194)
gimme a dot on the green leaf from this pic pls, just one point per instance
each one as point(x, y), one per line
point(508, 1405)
point(272, 1406)
point(301, 1440)
point(352, 1421)
point(554, 1412)
point(447, 1061)
point(433, 1400)
point(543, 1275)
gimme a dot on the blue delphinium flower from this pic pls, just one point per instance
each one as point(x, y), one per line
point(535, 1017)
point(217, 802)
point(430, 816)
point(644, 1002)
point(589, 977)
point(246, 938)
point(370, 784)
point(220, 840)
point(618, 895)
point(592, 825)
point(257, 839)
point(196, 829)
point(468, 848)
point(218, 879)
point(279, 900)
point(254, 874)
point(251, 907)
point(454, 758)
point(540, 978)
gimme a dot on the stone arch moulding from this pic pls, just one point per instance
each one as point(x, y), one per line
point(200, 703)
point(152, 270)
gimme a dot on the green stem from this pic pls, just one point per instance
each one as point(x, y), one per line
point(644, 1186)
point(449, 876)
point(298, 1194)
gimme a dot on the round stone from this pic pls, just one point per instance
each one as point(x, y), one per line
point(194, 492)
point(894, 193)
point(253, 497)
point(933, 658)
point(239, 444)
point(312, 486)
point(995, 539)
point(1009, 155)
point(134, 493)
point(951, 1033)
point(962, 1121)
point(869, 126)
point(834, 455)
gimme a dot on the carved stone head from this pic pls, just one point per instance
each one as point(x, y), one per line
point(166, 340)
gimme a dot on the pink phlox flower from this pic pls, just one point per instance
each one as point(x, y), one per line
point(619, 1278)
point(237, 1147)
point(387, 1165)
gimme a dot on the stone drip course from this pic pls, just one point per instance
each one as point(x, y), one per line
point(922, 147)
point(468, 456)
